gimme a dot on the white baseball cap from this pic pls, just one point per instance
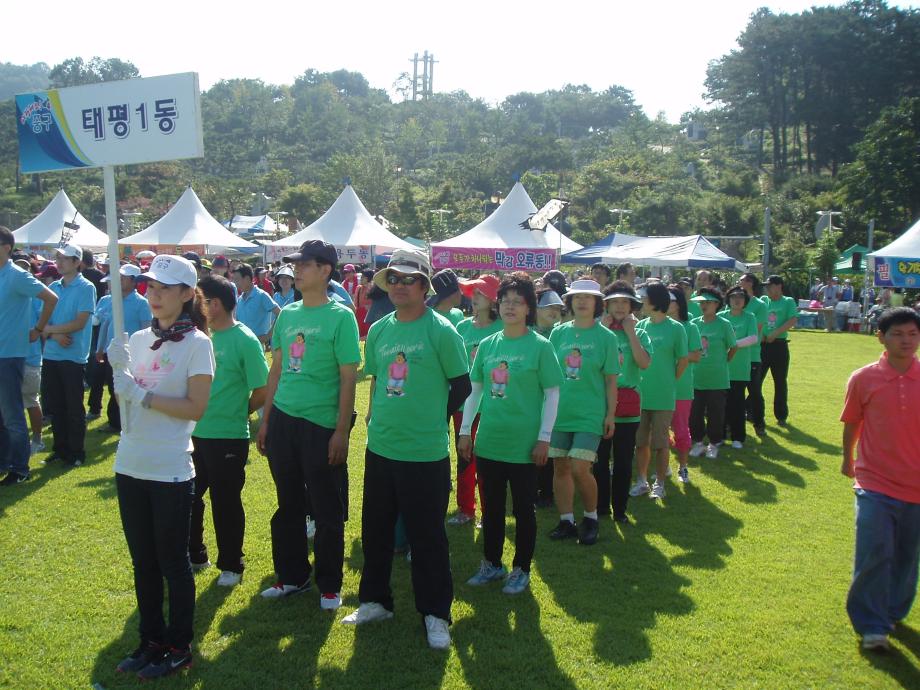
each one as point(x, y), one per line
point(129, 270)
point(285, 270)
point(72, 250)
point(172, 270)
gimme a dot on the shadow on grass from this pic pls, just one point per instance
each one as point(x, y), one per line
point(896, 663)
point(638, 580)
point(754, 471)
point(794, 434)
point(105, 486)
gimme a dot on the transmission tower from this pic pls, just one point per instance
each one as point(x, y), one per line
point(422, 84)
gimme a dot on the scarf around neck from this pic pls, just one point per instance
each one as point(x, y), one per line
point(174, 333)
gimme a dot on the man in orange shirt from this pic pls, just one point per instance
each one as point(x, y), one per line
point(881, 417)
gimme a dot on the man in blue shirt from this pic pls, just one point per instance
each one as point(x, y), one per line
point(137, 317)
point(254, 307)
point(17, 288)
point(68, 334)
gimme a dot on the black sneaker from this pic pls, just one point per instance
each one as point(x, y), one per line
point(15, 478)
point(564, 530)
point(760, 430)
point(587, 532)
point(622, 519)
point(168, 662)
point(782, 422)
point(53, 458)
point(140, 657)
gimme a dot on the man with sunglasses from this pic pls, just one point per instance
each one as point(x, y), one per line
point(420, 376)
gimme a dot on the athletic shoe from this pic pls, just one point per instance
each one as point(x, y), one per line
point(760, 430)
point(639, 488)
point(203, 565)
point(367, 613)
point(587, 531)
point(564, 530)
point(712, 451)
point(279, 590)
point(782, 422)
point(140, 657)
point(310, 528)
point(516, 582)
point(53, 458)
point(170, 661)
point(737, 445)
point(36, 446)
point(487, 573)
point(875, 642)
point(228, 578)
point(622, 519)
point(14, 478)
point(460, 519)
point(92, 416)
point(76, 462)
point(438, 635)
point(330, 601)
point(657, 491)
point(683, 475)
point(697, 450)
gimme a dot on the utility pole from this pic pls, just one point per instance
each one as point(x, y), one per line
point(414, 62)
point(425, 87)
point(766, 242)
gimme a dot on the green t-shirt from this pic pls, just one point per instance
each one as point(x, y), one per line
point(717, 337)
point(759, 310)
point(744, 325)
point(412, 362)
point(514, 373)
point(314, 343)
point(693, 308)
point(587, 356)
point(685, 382)
point(669, 342)
point(240, 368)
point(778, 312)
point(545, 332)
point(455, 316)
point(472, 335)
point(630, 373)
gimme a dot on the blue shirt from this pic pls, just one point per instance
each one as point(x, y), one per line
point(73, 299)
point(255, 309)
point(137, 316)
point(283, 301)
point(34, 358)
point(17, 288)
point(339, 293)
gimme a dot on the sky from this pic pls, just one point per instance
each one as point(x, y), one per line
point(658, 50)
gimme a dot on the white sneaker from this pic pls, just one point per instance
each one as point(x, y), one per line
point(279, 590)
point(639, 488)
point(367, 613)
point(737, 445)
point(311, 528)
point(330, 601)
point(697, 450)
point(712, 451)
point(36, 446)
point(658, 490)
point(683, 475)
point(228, 578)
point(875, 641)
point(438, 635)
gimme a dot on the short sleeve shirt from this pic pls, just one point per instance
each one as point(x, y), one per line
point(78, 297)
point(717, 337)
point(254, 309)
point(412, 362)
point(514, 372)
point(240, 368)
point(34, 358)
point(473, 335)
point(744, 325)
point(17, 288)
point(779, 311)
point(587, 356)
point(659, 383)
point(883, 402)
point(314, 342)
point(137, 315)
point(685, 382)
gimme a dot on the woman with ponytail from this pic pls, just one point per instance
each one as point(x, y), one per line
point(162, 376)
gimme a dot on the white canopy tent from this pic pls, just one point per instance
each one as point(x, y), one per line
point(349, 226)
point(47, 228)
point(898, 264)
point(502, 229)
point(694, 251)
point(188, 224)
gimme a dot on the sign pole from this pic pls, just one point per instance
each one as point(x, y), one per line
point(118, 307)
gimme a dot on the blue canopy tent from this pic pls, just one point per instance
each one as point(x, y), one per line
point(599, 252)
point(694, 251)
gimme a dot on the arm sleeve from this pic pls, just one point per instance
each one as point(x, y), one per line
point(460, 388)
point(748, 341)
point(852, 405)
point(471, 408)
point(550, 408)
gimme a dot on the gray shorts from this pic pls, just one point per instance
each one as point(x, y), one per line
point(31, 386)
point(654, 426)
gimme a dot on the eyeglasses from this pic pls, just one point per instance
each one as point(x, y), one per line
point(513, 303)
point(394, 279)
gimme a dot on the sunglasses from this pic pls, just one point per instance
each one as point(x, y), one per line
point(394, 279)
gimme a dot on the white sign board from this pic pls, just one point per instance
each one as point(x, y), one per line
point(112, 123)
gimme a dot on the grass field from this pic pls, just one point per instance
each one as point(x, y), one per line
point(736, 580)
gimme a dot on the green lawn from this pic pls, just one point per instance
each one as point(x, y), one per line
point(738, 579)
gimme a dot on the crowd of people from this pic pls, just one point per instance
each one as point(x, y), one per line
point(553, 388)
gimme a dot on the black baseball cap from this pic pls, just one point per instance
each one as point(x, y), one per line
point(444, 283)
point(193, 257)
point(317, 250)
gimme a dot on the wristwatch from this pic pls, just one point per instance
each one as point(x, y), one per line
point(145, 403)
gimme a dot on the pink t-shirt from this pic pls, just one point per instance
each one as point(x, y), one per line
point(499, 375)
point(398, 370)
point(886, 405)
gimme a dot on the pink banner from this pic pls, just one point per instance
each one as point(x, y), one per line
point(493, 259)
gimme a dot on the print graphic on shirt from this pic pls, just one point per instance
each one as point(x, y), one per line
point(473, 352)
point(704, 345)
point(397, 373)
point(500, 376)
point(295, 353)
point(573, 364)
point(160, 367)
point(771, 319)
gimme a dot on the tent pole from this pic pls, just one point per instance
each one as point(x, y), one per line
point(118, 307)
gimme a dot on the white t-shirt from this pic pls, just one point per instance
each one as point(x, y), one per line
point(158, 447)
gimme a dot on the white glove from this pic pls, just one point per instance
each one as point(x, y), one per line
point(127, 388)
point(119, 357)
